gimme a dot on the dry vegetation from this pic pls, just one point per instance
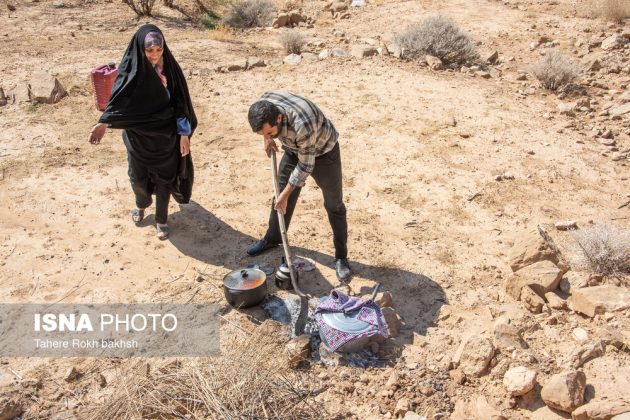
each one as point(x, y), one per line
point(249, 13)
point(555, 70)
point(440, 37)
point(604, 250)
point(613, 10)
point(292, 42)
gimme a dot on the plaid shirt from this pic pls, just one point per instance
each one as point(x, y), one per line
point(304, 131)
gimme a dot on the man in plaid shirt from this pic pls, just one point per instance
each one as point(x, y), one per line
point(309, 141)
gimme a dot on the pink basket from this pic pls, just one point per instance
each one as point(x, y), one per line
point(103, 78)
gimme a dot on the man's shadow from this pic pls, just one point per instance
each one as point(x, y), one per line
point(204, 237)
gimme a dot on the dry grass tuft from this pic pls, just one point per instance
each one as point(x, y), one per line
point(250, 13)
point(221, 33)
point(250, 379)
point(604, 250)
point(440, 37)
point(613, 10)
point(555, 70)
point(292, 42)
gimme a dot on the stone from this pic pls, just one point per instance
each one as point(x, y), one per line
point(385, 300)
point(339, 52)
point(499, 370)
point(565, 391)
point(595, 300)
point(292, 59)
point(45, 88)
point(3, 98)
point(566, 225)
point(309, 57)
point(531, 300)
point(611, 337)
point(473, 355)
point(434, 62)
point(10, 409)
point(395, 50)
point(476, 408)
point(492, 58)
point(585, 353)
point(338, 6)
point(623, 416)
point(554, 301)
point(237, 66)
point(410, 415)
point(72, 374)
point(507, 335)
point(393, 321)
point(593, 65)
point(402, 406)
point(601, 410)
point(573, 281)
point(566, 108)
point(253, 62)
point(281, 20)
point(534, 246)
point(483, 74)
point(580, 335)
point(458, 376)
point(324, 54)
point(546, 413)
point(543, 276)
point(613, 42)
point(295, 17)
point(298, 350)
point(362, 51)
point(519, 380)
point(619, 110)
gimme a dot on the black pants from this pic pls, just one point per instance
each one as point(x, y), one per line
point(143, 186)
point(327, 175)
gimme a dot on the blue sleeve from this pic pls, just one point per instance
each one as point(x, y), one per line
point(183, 126)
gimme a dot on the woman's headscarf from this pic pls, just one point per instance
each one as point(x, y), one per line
point(138, 96)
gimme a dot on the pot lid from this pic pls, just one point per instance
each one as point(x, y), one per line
point(245, 279)
point(346, 322)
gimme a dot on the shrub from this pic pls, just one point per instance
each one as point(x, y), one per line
point(555, 70)
point(440, 37)
point(604, 250)
point(250, 13)
point(614, 10)
point(292, 42)
point(141, 7)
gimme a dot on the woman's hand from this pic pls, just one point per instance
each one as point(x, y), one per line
point(184, 145)
point(97, 133)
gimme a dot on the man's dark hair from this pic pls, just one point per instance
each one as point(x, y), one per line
point(262, 112)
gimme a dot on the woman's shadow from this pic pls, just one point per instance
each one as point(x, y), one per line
point(204, 237)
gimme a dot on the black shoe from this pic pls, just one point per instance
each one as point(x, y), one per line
point(259, 247)
point(342, 267)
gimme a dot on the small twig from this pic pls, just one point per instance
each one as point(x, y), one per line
point(36, 282)
point(624, 205)
point(472, 197)
point(74, 289)
point(193, 295)
point(233, 324)
point(17, 375)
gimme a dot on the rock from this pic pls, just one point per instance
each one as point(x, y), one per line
point(362, 51)
point(253, 62)
point(601, 410)
point(565, 391)
point(624, 416)
point(580, 335)
point(292, 59)
point(507, 335)
point(543, 276)
point(566, 225)
point(434, 62)
point(492, 58)
point(338, 6)
point(393, 321)
point(599, 300)
point(45, 88)
point(482, 74)
point(546, 413)
point(534, 246)
point(473, 355)
point(554, 301)
point(10, 409)
point(593, 65)
point(499, 370)
point(395, 50)
point(410, 415)
point(585, 353)
point(573, 281)
point(298, 350)
point(72, 374)
point(339, 52)
point(296, 17)
point(324, 54)
point(532, 301)
point(237, 66)
point(281, 20)
point(613, 42)
point(619, 110)
point(566, 108)
point(611, 337)
point(3, 98)
point(402, 406)
point(519, 380)
point(458, 376)
point(385, 300)
point(477, 408)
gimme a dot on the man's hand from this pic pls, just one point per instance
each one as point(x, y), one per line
point(270, 145)
point(184, 145)
point(283, 198)
point(97, 133)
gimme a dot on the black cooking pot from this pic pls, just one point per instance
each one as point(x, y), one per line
point(245, 288)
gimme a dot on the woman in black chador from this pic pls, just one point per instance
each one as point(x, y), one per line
point(151, 104)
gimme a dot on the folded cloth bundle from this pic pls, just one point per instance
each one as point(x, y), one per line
point(365, 313)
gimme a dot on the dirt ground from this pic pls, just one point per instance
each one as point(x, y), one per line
point(421, 151)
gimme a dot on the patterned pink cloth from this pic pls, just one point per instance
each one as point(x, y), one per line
point(160, 72)
point(337, 301)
